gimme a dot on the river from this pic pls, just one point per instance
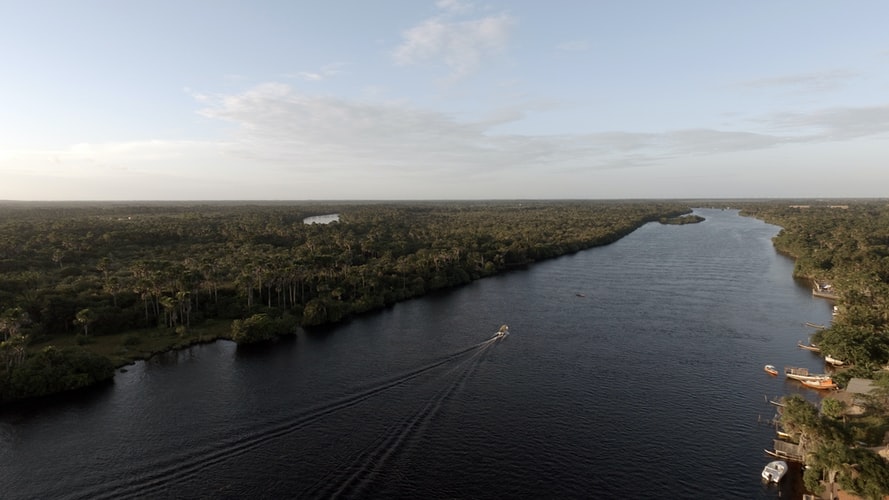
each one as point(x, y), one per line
point(632, 370)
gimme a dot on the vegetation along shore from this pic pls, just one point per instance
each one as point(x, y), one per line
point(85, 288)
point(843, 441)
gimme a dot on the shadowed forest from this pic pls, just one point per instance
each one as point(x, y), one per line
point(86, 287)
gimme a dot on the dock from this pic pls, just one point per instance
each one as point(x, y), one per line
point(786, 451)
point(825, 291)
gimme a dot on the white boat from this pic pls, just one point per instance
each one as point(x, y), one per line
point(774, 471)
point(504, 330)
point(834, 361)
point(803, 374)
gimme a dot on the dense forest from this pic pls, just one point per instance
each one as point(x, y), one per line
point(85, 287)
point(846, 245)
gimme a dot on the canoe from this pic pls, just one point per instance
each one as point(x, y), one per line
point(808, 347)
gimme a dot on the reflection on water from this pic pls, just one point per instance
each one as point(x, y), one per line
point(322, 219)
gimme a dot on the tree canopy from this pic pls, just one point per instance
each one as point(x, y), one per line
point(104, 268)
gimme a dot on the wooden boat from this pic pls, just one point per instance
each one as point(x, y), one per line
point(808, 347)
point(834, 361)
point(802, 374)
point(827, 383)
point(771, 370)
point(774, 471)
point(778, 403)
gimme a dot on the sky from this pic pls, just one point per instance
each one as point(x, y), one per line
point(447, 99)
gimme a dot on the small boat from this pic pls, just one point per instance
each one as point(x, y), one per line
point(778, 403)
point(834, 361)
point(504, 330)
point(771, 370)
point(827, 383)
point(785, 436)
point(774, 471)
point(802, 374)
point(808, 347)
point(814, 325)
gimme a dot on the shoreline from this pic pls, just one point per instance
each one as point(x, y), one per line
point(152, 342)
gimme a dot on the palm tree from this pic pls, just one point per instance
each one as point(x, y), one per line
point(85, 317)
point(830, 459)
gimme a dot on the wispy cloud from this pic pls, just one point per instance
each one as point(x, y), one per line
point(455, 6)
point(283, 136)
point(833, 123)
point(461, 45)
point(807, 82)
point(279, 125)
point(298, 136)
point(325, 72)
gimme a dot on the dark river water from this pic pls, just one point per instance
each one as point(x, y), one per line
point(630, 371)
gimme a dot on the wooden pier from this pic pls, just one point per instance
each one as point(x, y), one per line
point(825, 291)
point(786, 451)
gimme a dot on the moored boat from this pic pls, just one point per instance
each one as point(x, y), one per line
point(802, 374)
point(774, 471)
point(771, 370)
point(827, 383)
point(808, 347)
point(834, 361)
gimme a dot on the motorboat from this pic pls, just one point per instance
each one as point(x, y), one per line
point(771, 370)
point(774, 471)
point(503, 331)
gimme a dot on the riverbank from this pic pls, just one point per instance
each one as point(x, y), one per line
point(518, 408)
point(172, 266)
point(128, 347)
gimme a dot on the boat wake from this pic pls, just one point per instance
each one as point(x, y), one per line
point(355, 479)
point(155, 478)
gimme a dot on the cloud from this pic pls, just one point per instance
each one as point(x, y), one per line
point(327, 71)
point(808, 82)
point(462, 46)
point(454, 6)
point(276, 124)
point(299, 145)
point(706, 141)
point(91, 159)
point(833, 123)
